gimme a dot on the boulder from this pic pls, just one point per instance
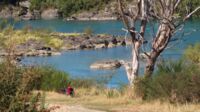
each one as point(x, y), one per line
point(50, 14)
point(83, 46)
point(25, 4)
point(110, 45)
point(123, 43)
point(109, 64)
point(36, 14)
point(114, 41)
point(106, 42)
point(99, 46)
point(55, 53)
point(6, 13)
point(44, 48)
point(28, 16)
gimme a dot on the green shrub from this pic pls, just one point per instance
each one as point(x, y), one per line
point(16, 85)
point(68, 7)
point(51, 79)
point(192, 53)
point(173, 81)
point(56, 43)
point(112, 93)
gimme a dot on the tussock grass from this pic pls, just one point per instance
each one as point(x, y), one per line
point(98, 99)
point(176, 81)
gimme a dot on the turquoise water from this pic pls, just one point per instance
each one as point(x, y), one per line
point(77, 62)
point(108, 27)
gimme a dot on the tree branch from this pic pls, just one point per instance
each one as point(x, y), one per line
point(177, 3)
point(190, 14)
point(161, 5)
point(122, 14)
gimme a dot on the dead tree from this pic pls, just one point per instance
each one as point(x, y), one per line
point(161, 10)
point(129, 17)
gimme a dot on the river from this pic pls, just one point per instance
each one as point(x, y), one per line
point(77, 63)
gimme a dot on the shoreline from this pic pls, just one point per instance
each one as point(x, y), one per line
point(54, 43)
point(23, 11)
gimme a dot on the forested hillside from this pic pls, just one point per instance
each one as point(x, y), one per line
point(69, 7)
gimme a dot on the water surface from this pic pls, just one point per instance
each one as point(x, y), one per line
point(77, 63)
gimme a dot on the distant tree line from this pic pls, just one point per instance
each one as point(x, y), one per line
point(68, 7)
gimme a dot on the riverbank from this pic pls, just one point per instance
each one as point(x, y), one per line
point(32, 10)
point(47, 87)
point(73, 10)
point(44, 43)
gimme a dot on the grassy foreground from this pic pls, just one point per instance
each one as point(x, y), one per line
point(122, 103)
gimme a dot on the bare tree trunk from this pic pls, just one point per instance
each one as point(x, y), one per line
point(159, 44)
point(151, 63)
point(133, 68)
point(129, 18)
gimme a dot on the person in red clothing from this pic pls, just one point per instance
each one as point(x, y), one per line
point(70, 91)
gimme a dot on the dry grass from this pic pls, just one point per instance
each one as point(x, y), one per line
point(159, 107)
point(101, 99)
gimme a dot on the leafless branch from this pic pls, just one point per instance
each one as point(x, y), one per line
point(161, 5)
point(122, 14)
point(190, 14)
point(177, 3)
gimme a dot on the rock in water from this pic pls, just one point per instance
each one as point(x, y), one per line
point(109, 64)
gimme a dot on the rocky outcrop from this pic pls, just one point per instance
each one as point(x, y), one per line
point(101, 15)
point(50, 14)
point(108, 13)
point(23, 11)
point(34, 47)
point(109, 64)
point(33, 52)
point(28, 16)
point(6, 12)
point(41, 53)
point(19, 12)
point(84, 42)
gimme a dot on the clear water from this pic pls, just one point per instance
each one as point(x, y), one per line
point(58, 25)
point(77, 63)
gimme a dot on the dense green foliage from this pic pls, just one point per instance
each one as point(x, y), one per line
point(16, 84)
point(51, 79)
point(187, 6)
point(192, 53)
point(68, 7)
point(174, 81)
point(9, 37)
